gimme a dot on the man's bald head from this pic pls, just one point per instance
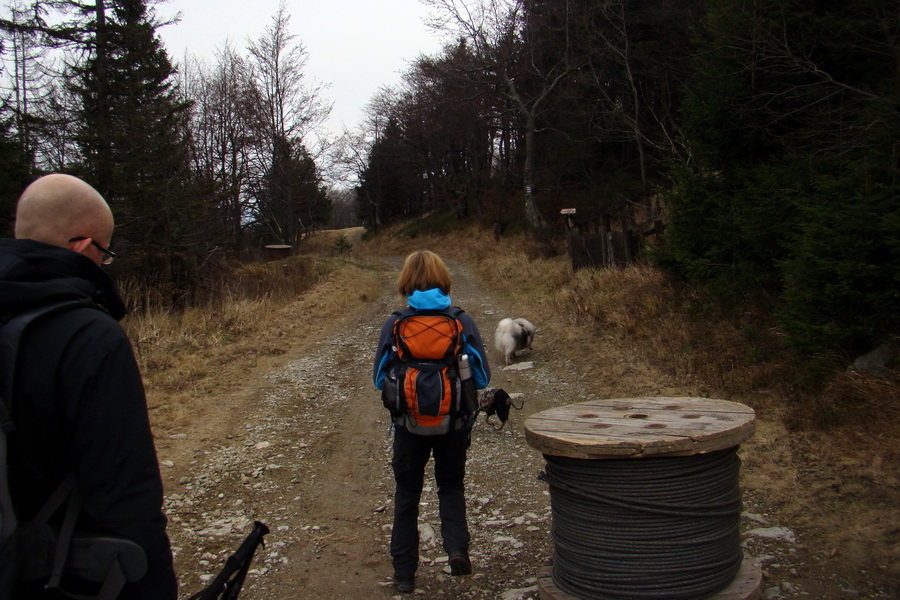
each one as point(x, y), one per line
point(56, 208)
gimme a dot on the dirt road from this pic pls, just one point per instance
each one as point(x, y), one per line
point(305, 447)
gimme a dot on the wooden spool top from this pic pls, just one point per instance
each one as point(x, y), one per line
point(639, 427)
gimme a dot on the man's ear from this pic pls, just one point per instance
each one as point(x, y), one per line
point(80, 246)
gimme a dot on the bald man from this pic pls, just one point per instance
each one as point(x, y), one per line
point(79, 404)
point(67, 212)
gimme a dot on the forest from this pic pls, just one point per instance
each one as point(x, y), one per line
point(762, 133)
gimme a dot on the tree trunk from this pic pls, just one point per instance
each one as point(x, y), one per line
point(104, 168)
point(532, 213)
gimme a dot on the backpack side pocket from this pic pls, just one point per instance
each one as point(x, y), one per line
point(390, 395)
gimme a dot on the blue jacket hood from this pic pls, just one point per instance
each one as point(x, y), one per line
point(433, 299)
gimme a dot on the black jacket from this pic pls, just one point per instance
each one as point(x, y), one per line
point(79, 406)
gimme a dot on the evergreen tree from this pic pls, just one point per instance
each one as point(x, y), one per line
point(446, 130)
point(389, 190)
point(15, 174)
point(293, 201)
point(793, 115)
point(133, 139)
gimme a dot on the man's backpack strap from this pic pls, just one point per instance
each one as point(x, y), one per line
point(87, 556)
point(12, 328)
point(119, 560)
point(67, 489)
point(114, 582)
point(113, 561)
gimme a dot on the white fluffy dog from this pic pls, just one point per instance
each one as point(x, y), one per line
point(513, 335)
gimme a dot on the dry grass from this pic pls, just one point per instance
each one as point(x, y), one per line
point(190, 356)
point(681, 330)
point(325, 243)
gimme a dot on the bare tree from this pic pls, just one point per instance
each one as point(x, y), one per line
point(222, 136)
point(344, 214)
point(632, 67)
point(287, 109)
point(355, 153)
point(506, 45)
point(41, 106)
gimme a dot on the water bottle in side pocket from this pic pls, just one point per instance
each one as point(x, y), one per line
point(469, 400)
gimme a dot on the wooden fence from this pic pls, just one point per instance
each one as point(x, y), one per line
point(603, 247)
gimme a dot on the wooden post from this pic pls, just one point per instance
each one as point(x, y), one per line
point(572, 233)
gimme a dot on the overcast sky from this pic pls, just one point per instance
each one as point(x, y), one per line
point(355, 46)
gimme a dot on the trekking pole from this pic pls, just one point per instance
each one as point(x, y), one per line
point(227, 584)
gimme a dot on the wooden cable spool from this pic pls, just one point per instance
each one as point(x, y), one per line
point(625, 428)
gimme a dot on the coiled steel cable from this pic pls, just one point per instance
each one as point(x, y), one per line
point(661, 528)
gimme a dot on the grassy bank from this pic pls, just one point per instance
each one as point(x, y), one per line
point(190, 356)
point(729, 350)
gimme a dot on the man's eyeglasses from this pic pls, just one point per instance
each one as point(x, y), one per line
point(108, 255)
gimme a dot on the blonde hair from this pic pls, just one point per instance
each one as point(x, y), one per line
point(423, 270)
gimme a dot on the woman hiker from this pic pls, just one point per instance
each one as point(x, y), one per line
point(420, 432)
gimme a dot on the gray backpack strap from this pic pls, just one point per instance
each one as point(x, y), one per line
point(12, 330)
point(67, 489)
point(114, 582)
point(113, 561)
point(120, 560)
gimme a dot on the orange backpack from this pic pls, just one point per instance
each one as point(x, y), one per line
point(423, 388)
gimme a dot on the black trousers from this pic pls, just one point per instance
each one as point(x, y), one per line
point(411, 454)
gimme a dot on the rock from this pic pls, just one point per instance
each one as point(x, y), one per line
point(774, 533)
point(426, 534)
point(879, 361)
point(518, 594)
point(522, 366)
point(754, 517)
point(508, 539)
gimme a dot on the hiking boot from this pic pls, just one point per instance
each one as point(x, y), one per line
point(405, 585)
point(460, 563)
